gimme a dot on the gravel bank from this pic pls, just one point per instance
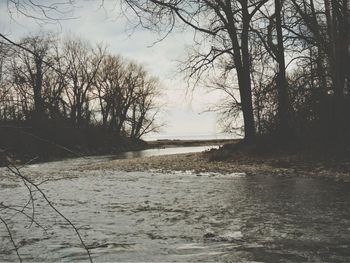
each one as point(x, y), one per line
point(200, 162)
point(196, 162)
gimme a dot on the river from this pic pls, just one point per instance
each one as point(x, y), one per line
point(176, 217)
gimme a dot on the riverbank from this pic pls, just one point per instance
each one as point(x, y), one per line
point(20, 144)
point(187, 143)
point(280, 164)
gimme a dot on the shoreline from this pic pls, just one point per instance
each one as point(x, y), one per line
point(187, 143)
point(115, 150)
point(287, 165)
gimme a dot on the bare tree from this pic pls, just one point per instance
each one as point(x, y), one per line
point(145, 108)
point(225, 24)
point(329, 33)
point(30, 71)
point(6, 96)
point(42, 11)
point(108, 84)
point(127, 97)
point(34, 67)
point(82, 64)
point(283, 122)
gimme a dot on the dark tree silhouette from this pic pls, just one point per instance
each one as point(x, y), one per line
point(226, 23)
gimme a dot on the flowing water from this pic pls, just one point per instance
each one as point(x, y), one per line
point(176, 217)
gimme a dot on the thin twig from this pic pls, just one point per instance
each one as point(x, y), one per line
point(18, 173)
point(11, 238)
point(23, 213)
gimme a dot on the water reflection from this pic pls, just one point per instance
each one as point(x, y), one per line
point(163, 151)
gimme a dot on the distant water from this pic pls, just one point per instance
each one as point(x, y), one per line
point(164, 151)
point(169, 136)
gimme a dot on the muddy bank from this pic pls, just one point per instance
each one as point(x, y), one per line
point(287, 165)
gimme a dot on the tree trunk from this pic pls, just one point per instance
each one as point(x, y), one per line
point(336, 21)
point(39, 109)
point(242, 62)
point(283, 128)
point(247, 105)
point(246, 90)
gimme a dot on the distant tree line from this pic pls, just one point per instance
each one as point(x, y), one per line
point(69, 82)
point(284, 64)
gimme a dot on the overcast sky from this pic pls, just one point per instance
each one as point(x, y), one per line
point(184, 114)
